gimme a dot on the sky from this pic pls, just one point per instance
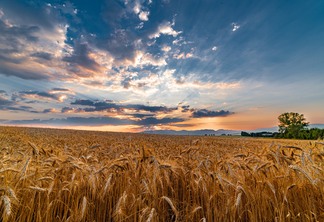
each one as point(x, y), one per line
point(135, 65)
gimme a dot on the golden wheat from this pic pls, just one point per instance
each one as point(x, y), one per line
point(65, 175)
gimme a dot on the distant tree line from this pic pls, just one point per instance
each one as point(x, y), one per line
point(259, 134)
point(305, 134)
point(291, 126)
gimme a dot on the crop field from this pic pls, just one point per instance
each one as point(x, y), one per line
point(66, 175)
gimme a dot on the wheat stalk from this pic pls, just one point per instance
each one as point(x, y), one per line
point(297, 168)
point(150, 217)
point(175, 211)
point(35, 149)
point(83, 207)
point(7, 206)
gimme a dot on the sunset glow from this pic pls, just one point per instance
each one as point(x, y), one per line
point(131, 66)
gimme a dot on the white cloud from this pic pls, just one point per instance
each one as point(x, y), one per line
point(137, 8)
point(140, 26)
point(166, 48)
point(235, 27)
point(144, 15)
point(142, 58)
point(214, 48)
point(181, 41)
point(183, 55)
point(165, 29)
point(151, 43)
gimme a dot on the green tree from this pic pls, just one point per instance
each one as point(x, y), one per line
point(291, 124)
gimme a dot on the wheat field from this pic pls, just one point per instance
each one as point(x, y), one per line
point(66, 175)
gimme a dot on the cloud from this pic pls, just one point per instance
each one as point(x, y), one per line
point(214, 48)
point(121, 44)
point(42, 55)
point(138, 10)
point(209, 113)
point(95, 121)
point(42, 95)
point(141, 115)
point(155, 121)
point(10, 105)
point(166, 48)
point(21, 108)
point(144, 15)
point(235, 27)
point(28, 13)
point(166, 29)
point(84, 102)
point(140, 25)
point(142, 59)
point(28, 50)
point(60, 90)
point(5, 102)
point(111, 106)
point(75, 121)
point(183, 55)
point(50, 110)
point(80, 57)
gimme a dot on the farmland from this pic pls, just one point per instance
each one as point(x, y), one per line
point(66, 175)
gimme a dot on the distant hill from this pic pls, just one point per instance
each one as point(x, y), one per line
point(195, 132)
point(219, 132)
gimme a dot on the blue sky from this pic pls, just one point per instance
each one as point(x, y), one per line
point(123, 65)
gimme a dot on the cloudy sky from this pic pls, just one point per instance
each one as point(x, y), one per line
point(133, 65)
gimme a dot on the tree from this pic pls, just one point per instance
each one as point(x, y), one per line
point(290, 124)
point(245, 134)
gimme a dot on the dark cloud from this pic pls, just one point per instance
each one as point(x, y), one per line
point(23, 95)
point(140, 115)
point(12, 106)
point(20, 72)
point(183, 125)
point(5, 102)
point(42, 55)
point(13, 40)
point(122, 45)
point(81, 57)
point(83, 102)
point(96, 121)
point(50, 110)
point(152, 109)
point(11, 33)
point(66, 109)
point(185, 108)
point(60, 90)
point(209, 113)
point(76, 121)
point(24, 27)
point(29, 12)
point(41, 94)
point(109, 105)
point(155, 121)
point(22, 108)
